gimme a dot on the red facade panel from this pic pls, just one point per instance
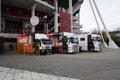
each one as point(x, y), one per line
point(65, 22)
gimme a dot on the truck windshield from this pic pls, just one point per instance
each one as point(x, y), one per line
point(46, 41)
point(97, 39)
point(74, 40)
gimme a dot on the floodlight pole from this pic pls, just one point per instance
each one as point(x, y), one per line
point(97, 24)
point(111, 42)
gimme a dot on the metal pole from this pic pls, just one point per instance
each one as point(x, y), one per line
point(33, 9)
point(70, 11)
point(79, 15)
point(56, 16)
point(111, 42)
point(79, 18)
point(31, 37)
point(0, 14)
point(97, 24)
point(33, 14)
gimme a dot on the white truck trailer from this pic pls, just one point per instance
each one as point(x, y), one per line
point(89, 42)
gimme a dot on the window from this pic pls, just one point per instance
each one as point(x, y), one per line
point(10, 39)
point(46, 41)
point(74, 40)
point(82, 39)
point(97, 39)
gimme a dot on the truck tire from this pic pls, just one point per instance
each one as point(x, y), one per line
point(65, 51)
point(80, 50)
point(91, 49)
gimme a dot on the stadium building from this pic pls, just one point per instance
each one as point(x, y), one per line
point(53, 15)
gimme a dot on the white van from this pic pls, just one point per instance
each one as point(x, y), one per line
point(90, 42)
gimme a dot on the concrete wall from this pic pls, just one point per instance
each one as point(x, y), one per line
point(7, 46)
point(9, 35)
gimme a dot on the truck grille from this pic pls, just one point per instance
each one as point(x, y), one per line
point(75, 47)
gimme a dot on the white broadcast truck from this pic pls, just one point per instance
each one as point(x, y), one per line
point(89, 42)
point(45, 43)
point(69, 42)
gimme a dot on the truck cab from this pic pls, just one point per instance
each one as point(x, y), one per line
point(97, 41)
point(45, 44)
point(69, 42)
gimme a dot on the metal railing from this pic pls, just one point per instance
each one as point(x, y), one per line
point(17, 31)
point(11, 30)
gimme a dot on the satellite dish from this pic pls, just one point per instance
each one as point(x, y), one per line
point(34, 20)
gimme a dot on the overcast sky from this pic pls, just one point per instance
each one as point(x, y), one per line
point(109, 9)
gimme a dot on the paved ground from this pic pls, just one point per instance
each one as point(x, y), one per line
point(16, 74)
point(103, 65)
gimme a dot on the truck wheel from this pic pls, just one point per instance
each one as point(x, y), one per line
point(42, 53)
point(92, 49)
point(65, 51)
point(49, 53)
point(80, 50)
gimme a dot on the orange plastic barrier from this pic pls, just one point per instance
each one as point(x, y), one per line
point(28, 48)
point(23, 44)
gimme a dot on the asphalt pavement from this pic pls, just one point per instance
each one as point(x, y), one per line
point(103, 65)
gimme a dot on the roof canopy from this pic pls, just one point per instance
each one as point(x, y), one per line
point(27, 4)
point(65, 3)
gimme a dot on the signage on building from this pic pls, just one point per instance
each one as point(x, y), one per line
point(34, 20)
point(65, 22)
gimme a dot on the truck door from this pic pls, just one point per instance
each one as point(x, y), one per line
point(1, 44)
point(90, 43)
